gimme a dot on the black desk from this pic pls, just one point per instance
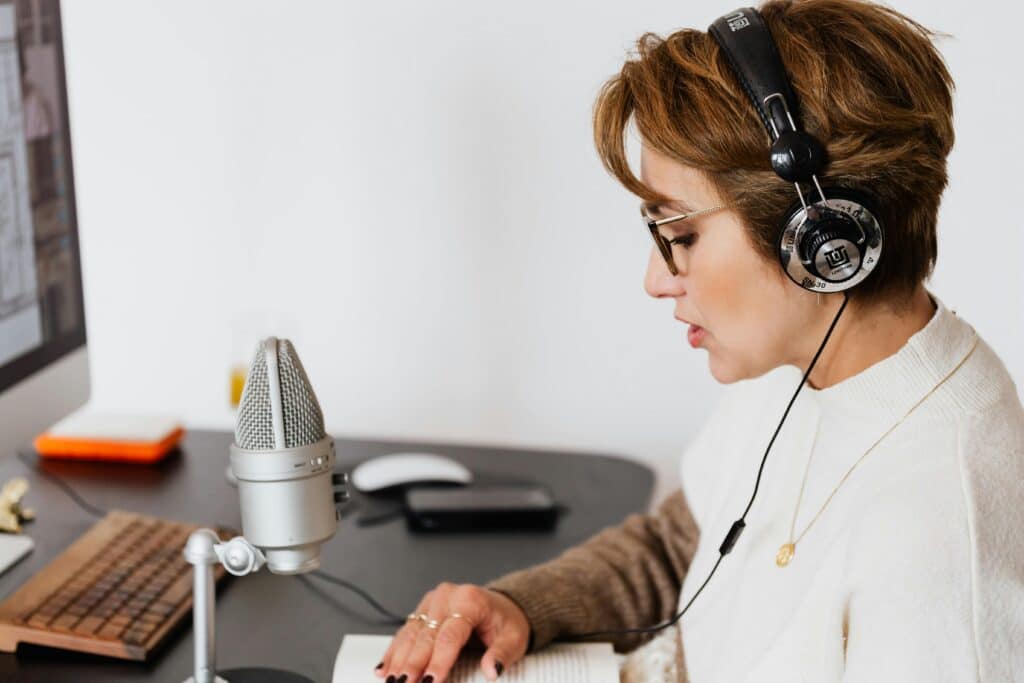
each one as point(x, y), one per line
point(279, 621)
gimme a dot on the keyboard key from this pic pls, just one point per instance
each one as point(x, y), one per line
point(179, 590)
point(111, 631)
point(64, 622)
point(121, 620)
point(135, 636)
point(38, 621)
point(89, 625)
point(162, 608)
point(75, 611)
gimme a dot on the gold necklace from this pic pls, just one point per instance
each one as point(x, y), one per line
point(787, 550)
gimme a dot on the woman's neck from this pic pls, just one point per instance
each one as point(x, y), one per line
point(864, 337)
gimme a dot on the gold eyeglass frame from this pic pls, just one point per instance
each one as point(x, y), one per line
point(665, 245)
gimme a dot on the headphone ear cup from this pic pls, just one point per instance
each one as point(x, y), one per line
point(832, 245)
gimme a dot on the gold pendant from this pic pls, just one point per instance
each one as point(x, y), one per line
point(785, 554)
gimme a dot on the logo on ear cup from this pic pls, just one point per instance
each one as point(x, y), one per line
point(837, 260)
point(837, 257)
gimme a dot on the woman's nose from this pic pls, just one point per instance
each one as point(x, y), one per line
point(659, 281)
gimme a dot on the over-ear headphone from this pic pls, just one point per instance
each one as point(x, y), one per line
point(828, 245)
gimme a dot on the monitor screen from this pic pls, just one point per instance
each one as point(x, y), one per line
point(41, 310)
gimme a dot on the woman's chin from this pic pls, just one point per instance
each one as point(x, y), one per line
point(724, 372)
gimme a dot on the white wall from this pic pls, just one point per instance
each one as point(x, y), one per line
point(409, 191)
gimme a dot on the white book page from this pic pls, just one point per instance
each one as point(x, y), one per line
point(557, 663)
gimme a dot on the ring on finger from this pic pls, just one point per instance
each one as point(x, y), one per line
point(422, 617)
point(431, 623)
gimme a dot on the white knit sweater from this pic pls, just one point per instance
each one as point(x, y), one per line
point(914, 572)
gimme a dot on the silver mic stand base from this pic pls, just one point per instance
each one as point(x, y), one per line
point(258, 676)
point(261, 676)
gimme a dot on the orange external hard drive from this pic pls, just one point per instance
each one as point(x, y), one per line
point(124, 438)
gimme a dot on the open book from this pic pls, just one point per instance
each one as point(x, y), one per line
point(556, 663)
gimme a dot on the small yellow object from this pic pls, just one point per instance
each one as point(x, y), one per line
point(9, 523)
point(785, 554)
point(238, 374)
point(14, 490)
point(11, 512)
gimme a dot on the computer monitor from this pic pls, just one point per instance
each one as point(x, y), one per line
point(44, 367)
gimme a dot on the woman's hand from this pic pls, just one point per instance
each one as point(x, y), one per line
point(421, 653)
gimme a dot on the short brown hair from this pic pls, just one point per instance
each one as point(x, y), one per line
point(871, 86)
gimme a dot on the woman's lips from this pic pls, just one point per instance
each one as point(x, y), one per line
point(695, 335)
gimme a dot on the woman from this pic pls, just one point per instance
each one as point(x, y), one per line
point(884, 543)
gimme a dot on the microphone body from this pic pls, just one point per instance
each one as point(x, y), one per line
point(283, 460)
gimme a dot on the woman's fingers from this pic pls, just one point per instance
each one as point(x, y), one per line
point(469, 609)
point(451, 638)
point(407, 632)
point(410, 662)
point(506, 649)
point(508, 637)
point(395, 649)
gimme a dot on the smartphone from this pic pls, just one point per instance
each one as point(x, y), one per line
point(480, 508)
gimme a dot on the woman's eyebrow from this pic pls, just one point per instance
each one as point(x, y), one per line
point(676, 205)
point(673, 204)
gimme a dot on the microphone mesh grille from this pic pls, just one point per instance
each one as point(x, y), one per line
point(303, 418)
point(254, 429)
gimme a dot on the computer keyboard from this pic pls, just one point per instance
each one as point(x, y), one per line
point(119, 590)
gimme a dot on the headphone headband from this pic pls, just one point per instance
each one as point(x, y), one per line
point(752, 54)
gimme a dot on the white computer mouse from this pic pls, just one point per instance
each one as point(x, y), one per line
point(403, 469)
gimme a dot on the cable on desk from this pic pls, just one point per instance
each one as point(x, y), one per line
point(380, 517)
point(329, 578)
point(82, 503)
point(100, 513)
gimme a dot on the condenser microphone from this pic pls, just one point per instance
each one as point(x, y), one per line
point(283, 461)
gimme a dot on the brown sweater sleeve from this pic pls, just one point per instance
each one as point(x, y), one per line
point(625, 576)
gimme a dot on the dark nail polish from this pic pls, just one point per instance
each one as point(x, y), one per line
point(401, 679)
point(427, 679)
point(499, 667)
point(391, 679)
point(378, 666)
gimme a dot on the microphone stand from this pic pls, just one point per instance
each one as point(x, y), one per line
point(239, 557)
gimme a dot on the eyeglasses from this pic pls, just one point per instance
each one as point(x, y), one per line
point(665, 245)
